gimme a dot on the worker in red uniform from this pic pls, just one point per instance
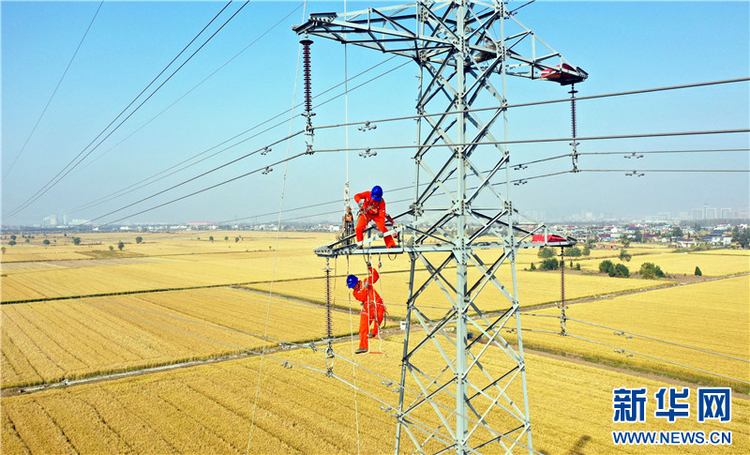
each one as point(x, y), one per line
point(372, 307)
point(372, 208)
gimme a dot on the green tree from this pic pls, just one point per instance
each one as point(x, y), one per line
point(236, 239)
point(638, 236)
point(606, 266)
point(111, 248)
point(698, 271)
point(2, 249)
point(138, 239)
point(586, 250)
point(624, 256)
point(11, 242)
point(27, 240)
point(13, 237)
point(651, 271)
point(45, 242)
point(549, 264)
point(120, 245)
point(573, 252)
point(625, 240)
point(226, 238)
point(533, 267)
point(211, 238)
point(741, 236)
point(578, 266)
point(76, 240)
point(545, 252)
point(621, 271)
point(676, 232)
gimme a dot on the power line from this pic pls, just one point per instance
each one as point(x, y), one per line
point(202, 175)
point(399, 189)
point(658, 359)
point(659, 340)
point(63, 173)
point(138, 185)
point(541, 103)
point(198, 85)
point(54, 91)
point(107, 198)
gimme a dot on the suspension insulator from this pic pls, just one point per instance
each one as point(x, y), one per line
point(306, 76)
point(573, 92)
point(574, 144)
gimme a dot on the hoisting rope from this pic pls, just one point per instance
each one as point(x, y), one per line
point(354, 364)
point(346, 205)
point(276, 251)
point(385, 309)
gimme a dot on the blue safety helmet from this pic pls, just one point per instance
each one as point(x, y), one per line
point(351, 281)
point(377, 193)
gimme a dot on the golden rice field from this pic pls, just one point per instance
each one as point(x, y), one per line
point(534, 288)
point(200, 263)
point(209, 408)
point(212, 409)
point(711, 263)
point(713, 316)
point(45, 342)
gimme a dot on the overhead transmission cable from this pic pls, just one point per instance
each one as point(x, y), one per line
point(252, 43)
point(206, 173)
point(590, 138)
point(10, 168)
point(412, 117)
point(545, 102)
point(658, 359)
point(519, 165)
point(73, 164)
point(142, 183)
point(519, 181)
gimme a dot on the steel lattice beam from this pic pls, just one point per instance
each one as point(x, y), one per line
point(471, 392)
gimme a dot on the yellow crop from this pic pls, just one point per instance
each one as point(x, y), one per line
point(211, 409)
point(711, 263)
point(49, 341)
point(712, 316)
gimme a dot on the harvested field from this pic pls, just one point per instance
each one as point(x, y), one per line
point(50, 341)
point(712, 316)
point(210, 408)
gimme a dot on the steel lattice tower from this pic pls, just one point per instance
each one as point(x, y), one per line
point(475, 393)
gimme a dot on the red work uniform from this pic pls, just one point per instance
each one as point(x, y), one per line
point(372, 307)
point(372, 211)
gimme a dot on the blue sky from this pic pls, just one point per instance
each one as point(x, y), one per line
point(623, 46)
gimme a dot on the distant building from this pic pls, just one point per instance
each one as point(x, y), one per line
point(201, 225)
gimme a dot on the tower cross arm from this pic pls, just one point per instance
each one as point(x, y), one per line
point(430, 35)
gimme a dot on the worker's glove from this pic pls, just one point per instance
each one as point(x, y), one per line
point(361, 204)
point(368, 264)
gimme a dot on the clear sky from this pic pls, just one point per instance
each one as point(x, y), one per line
point(247, 74)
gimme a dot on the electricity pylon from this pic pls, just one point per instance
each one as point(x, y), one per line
point(463, 385)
